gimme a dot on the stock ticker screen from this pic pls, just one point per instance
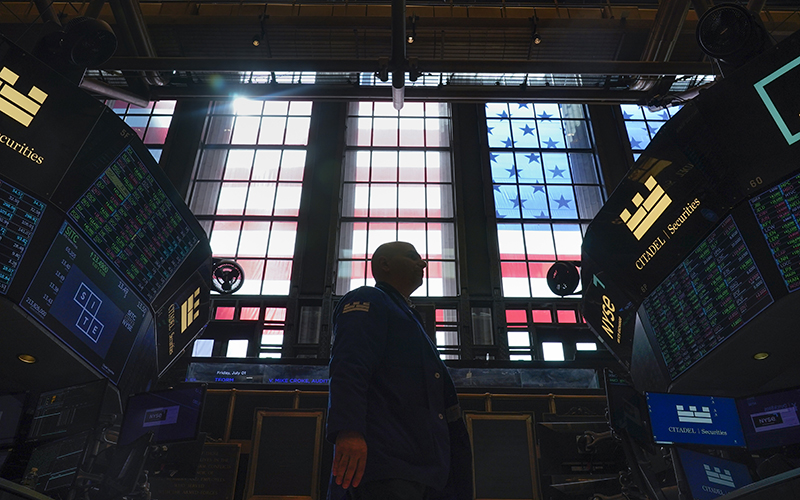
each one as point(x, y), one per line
point(84, 302)
point(20, 214)
point(776, 211)
point(715, 291)
point(138, 228)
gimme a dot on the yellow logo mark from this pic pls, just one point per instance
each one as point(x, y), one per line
point(189, 310)
point(14, 104)
point(356, 306)
point(648, 210)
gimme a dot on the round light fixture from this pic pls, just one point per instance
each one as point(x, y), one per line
point(27, 358)
point(760, 355)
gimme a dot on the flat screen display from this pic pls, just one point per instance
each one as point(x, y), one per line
point(12, 407)
point(67, 411)
point(776, 211)
point(134, 223)
point(20, 214)
point(710, 477)
point(715, 291)
point(627, 410)
point(171, 415)
point(82, 300)
point(689, 419)
point(770, 420)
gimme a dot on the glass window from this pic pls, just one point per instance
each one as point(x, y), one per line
point(247, 187)
point(151, 123)
point(547, 187)
point(398, 187)
point(643, 124)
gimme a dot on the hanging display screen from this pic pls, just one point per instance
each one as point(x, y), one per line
point(84, 302)
point(138, 228)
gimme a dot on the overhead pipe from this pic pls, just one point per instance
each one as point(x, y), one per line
point(398, 62)
point(128, 14)
point(663, 36)
point(110, 92)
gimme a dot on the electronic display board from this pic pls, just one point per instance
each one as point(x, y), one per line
point(44, 120)
point(770, 420)
point(172, 415)
point(20, 214)
point(80, 298)
point(690, 419)
point(715, 291)
point(710, 477)
point(139, 229)
point(12, 407)
point(776, 211)
point(182, 318)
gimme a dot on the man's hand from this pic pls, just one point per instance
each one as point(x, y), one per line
point(349, 458)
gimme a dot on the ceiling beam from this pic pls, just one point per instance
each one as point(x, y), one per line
point(202, 64)
point(447, 93)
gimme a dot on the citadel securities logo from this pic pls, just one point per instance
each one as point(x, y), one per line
point(16, 105)
point(693, 415)
point(719, 476)
point(648, 210)
point(189, 311)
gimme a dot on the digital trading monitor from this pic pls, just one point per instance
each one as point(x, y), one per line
point(770, 420)
point(72, 410)
point(137, 227)
point(709, 477)
point(700, 420)
point(776, 211)
point(715, 291)
point(58, 462)
point(83, 301)
point(171, 415)
point(20, 214)
point(12, 407)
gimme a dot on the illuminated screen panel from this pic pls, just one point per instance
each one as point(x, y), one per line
point(129, 217)
point(688, 419)
point(709, 477)
point(770, 420)
point(713, 293)
point(19, 216)
point(172, 415)
point(84, 302)
point(776, 211)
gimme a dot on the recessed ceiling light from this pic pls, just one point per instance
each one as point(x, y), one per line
point(27, 358)
point(760, 355)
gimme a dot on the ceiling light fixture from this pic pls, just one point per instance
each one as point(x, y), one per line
point(256, 40)
point(760, 355)
point(27, 358)
point(413, 20)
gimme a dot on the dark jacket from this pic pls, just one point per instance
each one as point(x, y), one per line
point(389, 384)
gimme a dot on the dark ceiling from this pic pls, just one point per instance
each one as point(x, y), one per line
point(589, 51)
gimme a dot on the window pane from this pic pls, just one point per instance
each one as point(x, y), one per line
point(553, 351)
point(203, 348)
point(237, 348)
point(518, 339)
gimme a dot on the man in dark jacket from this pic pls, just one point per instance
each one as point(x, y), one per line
point(393, 409)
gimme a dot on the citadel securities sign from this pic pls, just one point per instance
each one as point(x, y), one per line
point(35, 103)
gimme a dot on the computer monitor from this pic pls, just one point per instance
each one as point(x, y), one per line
point(172, 415)
point(12, 407)
point(770, 420)
point(708, 477)
point(58, 462)
point(699, 420)
point(627, 410)
point(69, 411)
